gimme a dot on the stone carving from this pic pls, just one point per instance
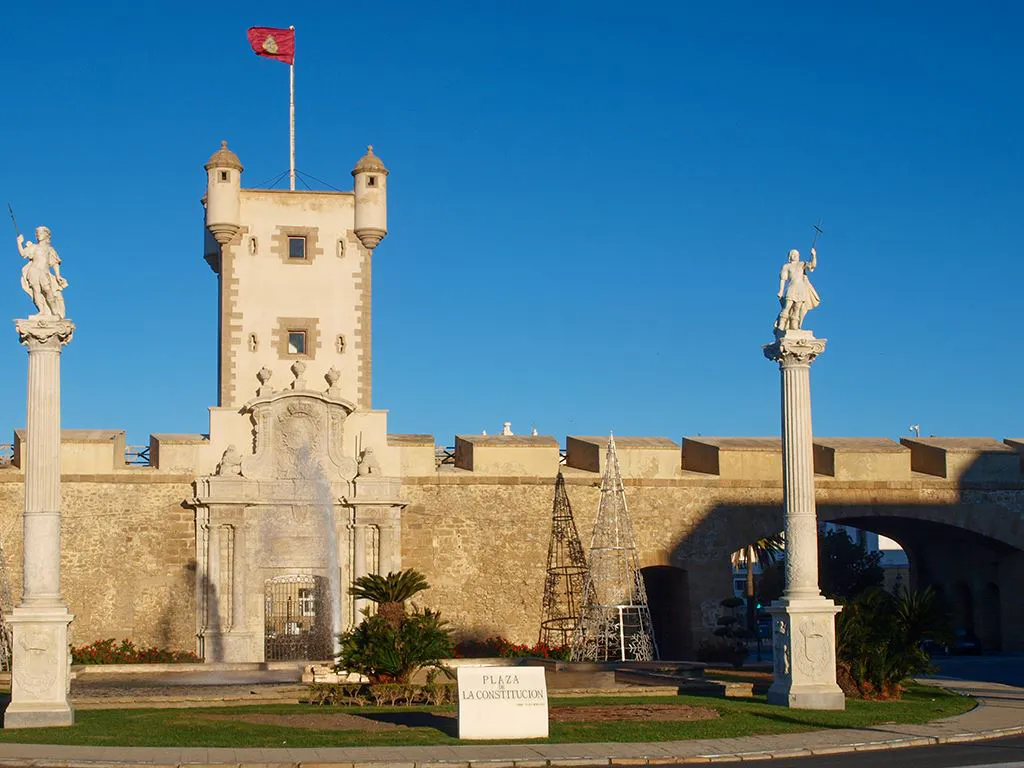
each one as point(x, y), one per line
point(799, 296)
point(254, 342)
point(814, 643)
point(298, 437)
point(44, 287)
point(39, 673)
point(333, 376)
point(298, 368)
point(780, 650)
point(263, 376)
point(794, 348)
point(230, 462)
point(368, 464)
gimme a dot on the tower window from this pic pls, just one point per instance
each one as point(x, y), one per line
point(223, 175)
point(296, 342)
point(296, 248)
point(371, 181)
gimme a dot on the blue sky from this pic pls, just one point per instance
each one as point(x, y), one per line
point(589, 204)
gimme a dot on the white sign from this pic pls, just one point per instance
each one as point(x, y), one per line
point(502, 703)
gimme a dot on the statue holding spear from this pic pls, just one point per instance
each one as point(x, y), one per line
point(796, 294)
point(40, 277)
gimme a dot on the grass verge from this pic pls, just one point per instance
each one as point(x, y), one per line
point(206, 726)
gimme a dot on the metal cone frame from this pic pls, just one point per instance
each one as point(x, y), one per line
point(615, 621)
point(567, 568)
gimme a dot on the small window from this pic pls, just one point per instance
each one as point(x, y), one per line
point(371, 181)
point(296, 248)
point(296, 342)
point(307, 602)
point(223, 175)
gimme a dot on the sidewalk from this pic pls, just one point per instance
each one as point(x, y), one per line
point(1000, 713)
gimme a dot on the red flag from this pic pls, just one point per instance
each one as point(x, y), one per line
point(273, 43)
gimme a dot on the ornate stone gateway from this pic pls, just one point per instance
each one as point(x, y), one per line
point(296, 618)
point(283, 530)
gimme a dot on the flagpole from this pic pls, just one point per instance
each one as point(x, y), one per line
point(291, 118)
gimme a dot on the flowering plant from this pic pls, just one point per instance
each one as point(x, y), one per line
point(500, 647)
point(109, 652)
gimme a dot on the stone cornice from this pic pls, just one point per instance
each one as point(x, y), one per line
point(44, 332)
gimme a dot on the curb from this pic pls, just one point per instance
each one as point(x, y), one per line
point(553, 762)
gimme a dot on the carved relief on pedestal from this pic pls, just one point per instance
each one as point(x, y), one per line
point(780, 649)
point(813, 645)
point(37, 672)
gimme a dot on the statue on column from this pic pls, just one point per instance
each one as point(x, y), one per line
point(42, 285)
point(799, 295)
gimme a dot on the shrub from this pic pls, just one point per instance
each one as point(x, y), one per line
point(361, 694)
point(110, 652)
point(389, 654)
point(879, 638)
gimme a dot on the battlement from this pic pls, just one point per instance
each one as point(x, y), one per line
point(732, 459)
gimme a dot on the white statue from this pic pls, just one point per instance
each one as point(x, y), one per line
point(42, 285)
point(799, 296)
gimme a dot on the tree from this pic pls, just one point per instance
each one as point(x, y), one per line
point(389, 592)
point(764, 552)
point(845, 567)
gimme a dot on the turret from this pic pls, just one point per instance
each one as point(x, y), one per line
point(371, 188)
point(223, 182)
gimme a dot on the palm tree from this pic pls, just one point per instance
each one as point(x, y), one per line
point(389, 592)
point(764, 550)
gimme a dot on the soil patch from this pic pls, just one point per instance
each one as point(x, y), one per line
point(631, 713)
point(391, 721)
point(314, 721)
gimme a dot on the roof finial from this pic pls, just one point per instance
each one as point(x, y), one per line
point(223, 144)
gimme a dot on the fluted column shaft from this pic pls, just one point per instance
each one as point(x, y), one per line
point(41, 521)
point(798, 480)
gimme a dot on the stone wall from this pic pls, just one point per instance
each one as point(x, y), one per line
point(483, 541)
point(127, 555)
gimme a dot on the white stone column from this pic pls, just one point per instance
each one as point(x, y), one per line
point(41, 664)
point(359, 569)
point(803, 626)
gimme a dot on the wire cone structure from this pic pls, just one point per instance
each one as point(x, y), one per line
point(615, 621)
point(567, 568)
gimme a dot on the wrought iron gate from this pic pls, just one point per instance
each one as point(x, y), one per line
point(297, 624)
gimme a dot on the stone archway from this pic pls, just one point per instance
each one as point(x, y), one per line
point(983, 540)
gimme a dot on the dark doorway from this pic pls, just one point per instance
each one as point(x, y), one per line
point(668, 596)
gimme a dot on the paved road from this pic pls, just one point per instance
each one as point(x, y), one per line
point(1001, 668)
point(1005, 753)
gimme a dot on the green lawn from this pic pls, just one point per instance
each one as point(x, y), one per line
point(737, 717)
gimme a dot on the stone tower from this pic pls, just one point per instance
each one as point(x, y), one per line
point(294, 269)
point(298, 490)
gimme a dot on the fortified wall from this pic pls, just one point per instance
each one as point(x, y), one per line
point(242, 542)
point(478, 525)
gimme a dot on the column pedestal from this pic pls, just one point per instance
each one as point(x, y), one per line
point(40, 659)
point(803, 622)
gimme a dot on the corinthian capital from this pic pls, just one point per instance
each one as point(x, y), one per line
point(44, 332)
point(794, 348)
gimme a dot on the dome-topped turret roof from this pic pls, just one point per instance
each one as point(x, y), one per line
point(370, 162)
point(224, 158)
